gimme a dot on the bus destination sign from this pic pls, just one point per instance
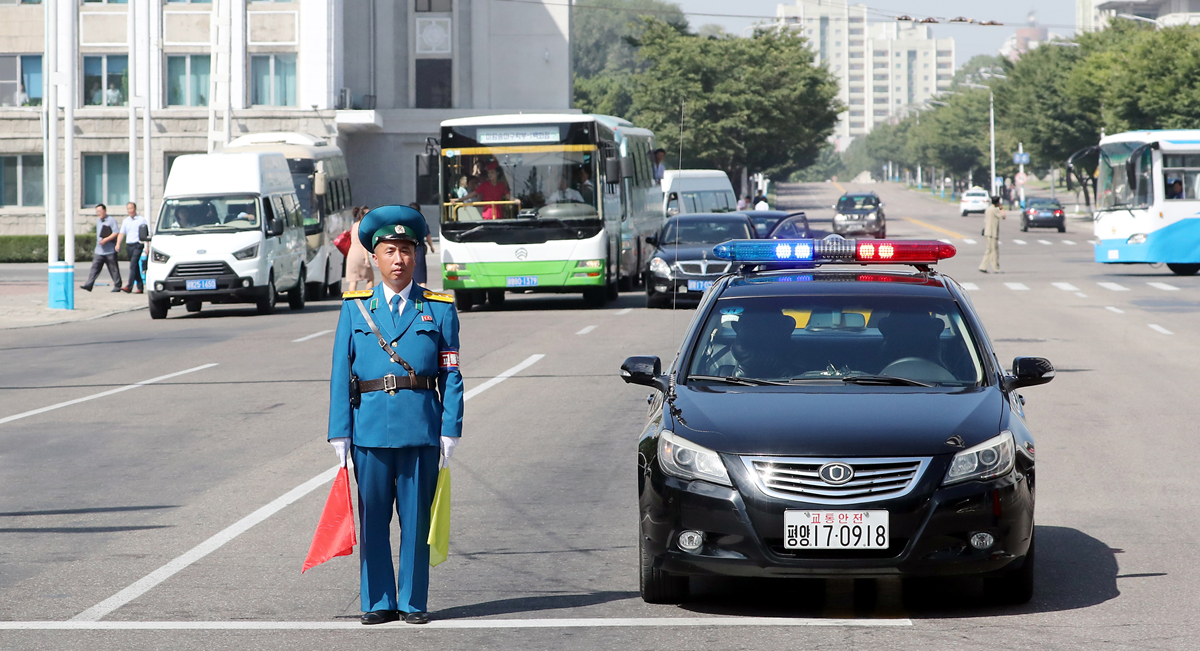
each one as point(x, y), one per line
point(518, 135)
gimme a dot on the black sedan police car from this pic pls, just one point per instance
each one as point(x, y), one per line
point(824, 420)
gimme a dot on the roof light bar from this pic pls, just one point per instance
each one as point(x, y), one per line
point(832, 249)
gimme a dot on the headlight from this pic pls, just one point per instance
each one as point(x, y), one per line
point(992, 458)
point(158, 256)
point(1138, 238)
point(590, 264)
point(658, 266)
point(453, 267)
point(871, 216)
point(681, 458)
point(839, 216)
point(246, 253)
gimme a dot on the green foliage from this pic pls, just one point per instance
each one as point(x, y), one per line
point(607, 94)
point(829, 164)
point(604, 33)
point(33, 248)
point(758, 102)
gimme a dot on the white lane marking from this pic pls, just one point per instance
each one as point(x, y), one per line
point(1164, 286)
point(624, 311)
point(102, 394)
point(143, 585)
point(312, 336)
point(1113, 287)
point(1066, 287)
point(1081, 294)
point(1115, 310)
point(1019, 241)
point(1157, 328)
point(970, 287)
point(945, 241)
point(968, 240)
point(1068, 242)
point(1016, 287)
point(1092, 242)
point(586, 330)
point(581, 622)
point(1045, 242)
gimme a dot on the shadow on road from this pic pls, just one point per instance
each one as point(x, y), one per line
point(533, 604)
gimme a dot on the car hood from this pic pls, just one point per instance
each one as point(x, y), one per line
point(686, 251)
point(862, 421)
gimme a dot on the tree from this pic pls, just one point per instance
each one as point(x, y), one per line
point(758, 102)
point(603, 33)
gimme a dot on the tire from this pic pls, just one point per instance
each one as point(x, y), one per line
point(882, 234)
point(1062, 228)
point(1183, 269)
point(464, 300)
point(964, 213)
point(1024, 226)
point(158, 308)
point(266, 304)
point(657, 586)
point(318, 291)
point(653, 299)
point(595, 296)
point(335, 289)
point(1015, 586)
point(193, 306)
point(296, 296)
point(496, 298)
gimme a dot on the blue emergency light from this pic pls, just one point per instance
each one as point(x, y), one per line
point(834, 248)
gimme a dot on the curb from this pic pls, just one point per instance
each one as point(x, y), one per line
point(90, 318)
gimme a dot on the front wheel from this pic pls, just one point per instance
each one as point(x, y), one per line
point(266, 304)
point(496, 298)
point(464, 300)
point(1024, 226)
point(1183, 269)
point(657, 586)
point(1014, 586)
point(159, 307)
point(296, 295)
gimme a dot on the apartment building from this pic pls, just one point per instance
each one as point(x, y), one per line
point(374, 76)
point(884, 69)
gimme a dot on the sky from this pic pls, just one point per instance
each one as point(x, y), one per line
point(969, 40)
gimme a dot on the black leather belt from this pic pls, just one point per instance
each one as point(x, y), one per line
point(393, 383)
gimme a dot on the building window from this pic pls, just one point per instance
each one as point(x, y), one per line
point(856, 89)
point(207, 2)
point(880, 65)
point(943, 65)
point(21, 180)
point(273, 80)
point(880, 53)
point(105, 179)
point(21, 80)
point(856, 114)
point(926, 77)
point(881, 89)
point(110, 2)
point(187, 80)
point(433, 83)
point(882, 113)
point(945, 53)
point(106, 80)
point(445, 6)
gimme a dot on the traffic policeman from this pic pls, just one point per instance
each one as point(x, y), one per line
point(396, 402)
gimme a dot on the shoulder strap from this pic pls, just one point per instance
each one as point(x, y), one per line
point(383, 342)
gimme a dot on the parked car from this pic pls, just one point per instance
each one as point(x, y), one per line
point(683, 263)
point(859, 213)
point(794, 226)
point(974, 200)
point(1040, 212)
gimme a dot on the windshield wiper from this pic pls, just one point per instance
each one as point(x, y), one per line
point(744, 381)
point(885, 380)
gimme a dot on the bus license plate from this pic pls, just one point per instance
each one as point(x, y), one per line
point(699, 285)
point(522, 281)
point(835, 529)
point(206, 283)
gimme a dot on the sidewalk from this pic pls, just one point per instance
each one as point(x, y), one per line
point(24, 293)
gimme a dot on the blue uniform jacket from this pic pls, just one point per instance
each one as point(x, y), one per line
point(428, 340)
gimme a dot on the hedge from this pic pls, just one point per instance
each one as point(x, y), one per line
point(32, 248)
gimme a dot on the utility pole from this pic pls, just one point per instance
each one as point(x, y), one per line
point(992, 122)
point(1020, 150)
point(131, 97)
point(61, 277)
point(70, 205)
point(147, 169)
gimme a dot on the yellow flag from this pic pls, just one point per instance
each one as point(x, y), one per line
point(439, 520)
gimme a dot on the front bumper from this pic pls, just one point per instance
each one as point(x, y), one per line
point(686, 286)
point(842, 227)
point(550, 275)
point(929, 529)
point(1048, 221)
point(230, 289)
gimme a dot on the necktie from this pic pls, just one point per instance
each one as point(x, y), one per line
point(396, 311)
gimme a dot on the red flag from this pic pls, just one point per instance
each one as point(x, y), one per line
point(335, 531)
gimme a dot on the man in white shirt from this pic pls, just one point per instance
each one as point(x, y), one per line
point(130, 234)
point(565, 194)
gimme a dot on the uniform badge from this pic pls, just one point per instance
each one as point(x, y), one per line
point(426, 317)
point(449, 359)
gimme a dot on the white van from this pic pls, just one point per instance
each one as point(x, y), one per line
point(692, 191)
point(230, 231)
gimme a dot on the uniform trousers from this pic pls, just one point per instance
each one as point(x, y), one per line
point(135, 264)
point(407, 479)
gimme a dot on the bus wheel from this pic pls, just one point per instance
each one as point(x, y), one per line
point(1184, 269)
point(595, 296)
point(495, 297)
point(463, 300)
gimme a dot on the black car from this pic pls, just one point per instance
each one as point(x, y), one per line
point(829, 422)
point(860, 212)
point(1043, 213)
point(793, 227)
point(766, 220)
point(683, 263)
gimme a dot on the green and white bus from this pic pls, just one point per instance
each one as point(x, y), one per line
point(545, 203)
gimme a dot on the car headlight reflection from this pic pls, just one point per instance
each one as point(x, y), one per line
point(246, 253)
point(992, 458)
point(659, 266)
point(681, 458)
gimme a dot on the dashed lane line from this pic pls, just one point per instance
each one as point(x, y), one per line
point(1066, 287)
point(581, 622)
point(1021, 242)
point(1046, 242)
point(1081, 294)
point(970, 287)
point(312, 336)
point(102, 394)
point(1017, 287)
point(1157, 328)
point(1068, 242)
point(968, 240)
point(1164, 286)
point(624, 311)
point(145, 584)
point(1113, 287)
point(586, 330)
point(1115, 310)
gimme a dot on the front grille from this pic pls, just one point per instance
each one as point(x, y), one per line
point(798, 479)
point(205, 269)
point(698, 268)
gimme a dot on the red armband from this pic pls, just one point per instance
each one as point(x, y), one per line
point(449, 359)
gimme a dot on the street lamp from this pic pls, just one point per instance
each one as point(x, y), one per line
point(992, 123)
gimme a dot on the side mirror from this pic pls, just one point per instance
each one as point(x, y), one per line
point(1030, 371)
point(626, 167)
point(612, 170)
point(143, 233)
point(652, 240)
point(320, 184)
point(646, 371)
point(275, 228)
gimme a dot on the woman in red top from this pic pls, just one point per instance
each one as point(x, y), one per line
point(493, 189)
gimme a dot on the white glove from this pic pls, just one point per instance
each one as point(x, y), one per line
point(341, 446)
point(448, 443)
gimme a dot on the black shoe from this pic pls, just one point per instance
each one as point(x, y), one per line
point(86, 288)
point(416, 618)
point(380, 617)
point(117, 290)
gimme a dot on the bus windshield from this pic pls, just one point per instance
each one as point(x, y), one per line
point(516, 183)
point(1112, 188)
point(238, 212)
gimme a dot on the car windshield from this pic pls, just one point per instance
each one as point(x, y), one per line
point(237, 212)
point(693, 231)
point(838, 339)
point(856, 203)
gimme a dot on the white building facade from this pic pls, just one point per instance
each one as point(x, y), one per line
point(375, 76)
point(1092, 15)
point(884, 70)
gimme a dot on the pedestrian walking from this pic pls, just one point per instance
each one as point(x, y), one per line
point(105, 254)
point(991, 234)
point(358, 259)
point(421, 273)
point(130, 232)
point(396, 402)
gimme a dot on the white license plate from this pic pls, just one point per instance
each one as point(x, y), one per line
point(206, 283)
point(835, 529)
point(699, 285)
point(522, 281)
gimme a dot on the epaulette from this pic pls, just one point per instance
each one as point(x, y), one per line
point(436, 296)
point(362, 293)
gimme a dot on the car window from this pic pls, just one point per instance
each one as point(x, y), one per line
point(815, 338)
point(856, 202)
point(791, 228)
point(238, 212)
point(698, 231)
